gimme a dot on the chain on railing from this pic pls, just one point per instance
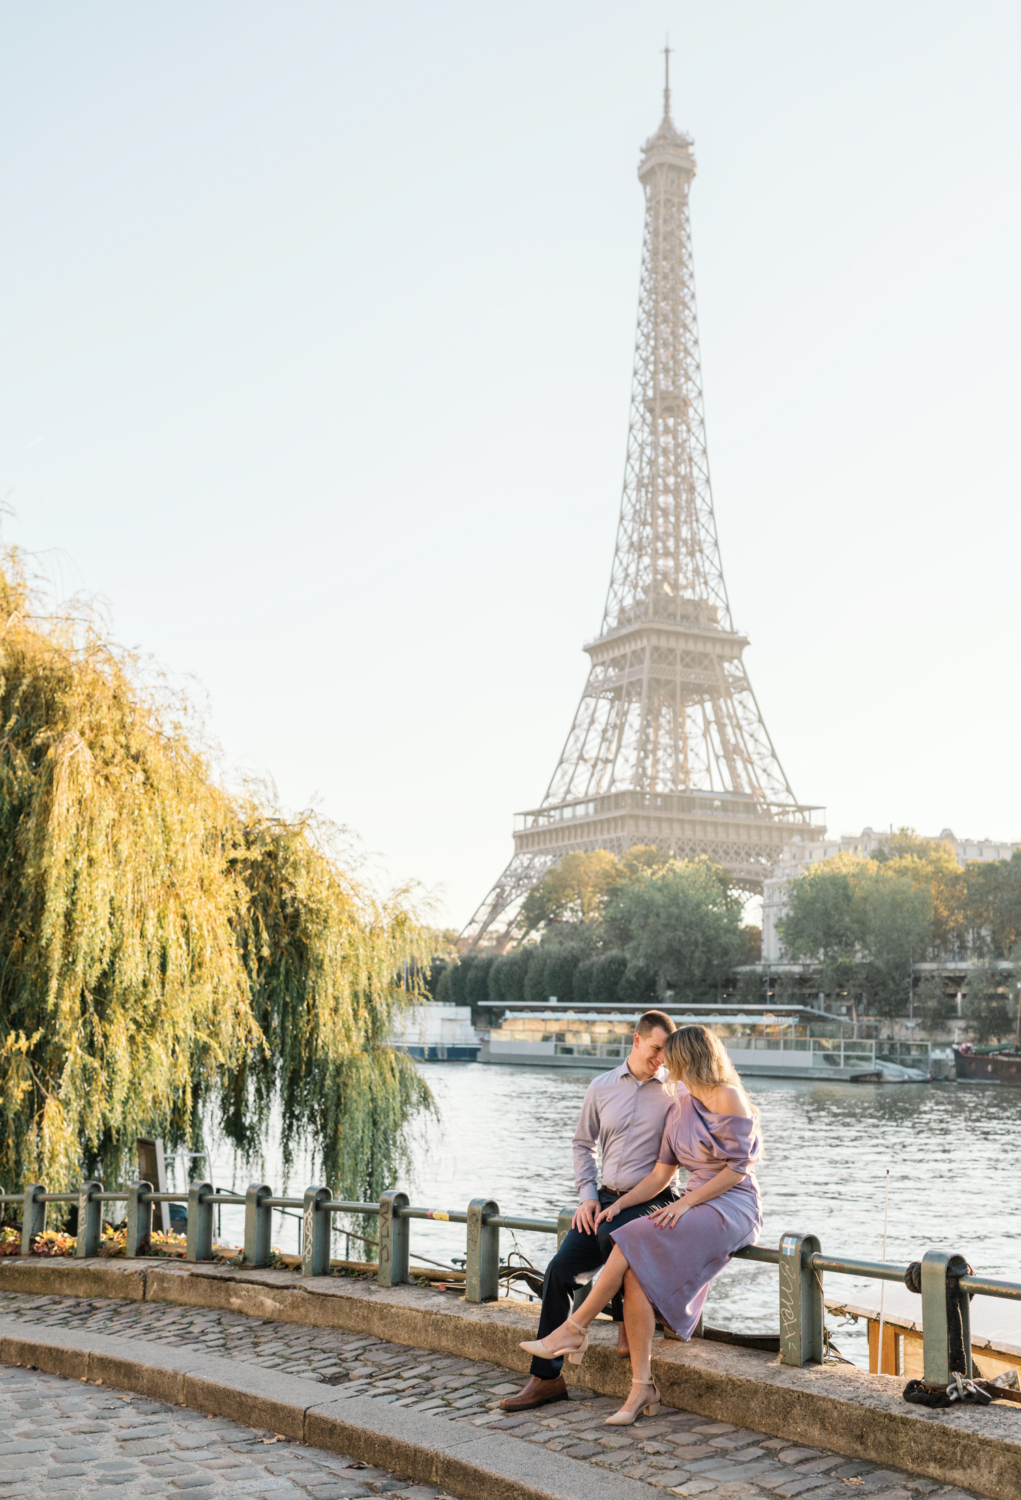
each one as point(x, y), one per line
point(799, 1259)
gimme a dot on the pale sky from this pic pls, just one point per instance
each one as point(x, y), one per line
point(317, 324)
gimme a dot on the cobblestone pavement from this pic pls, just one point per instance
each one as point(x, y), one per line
point(677, 1451)
point(64, 1437)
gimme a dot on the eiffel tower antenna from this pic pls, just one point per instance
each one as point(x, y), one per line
point(668, 745)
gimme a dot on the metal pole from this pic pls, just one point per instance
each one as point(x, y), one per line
point(258, 1225)
point(200, 1222)
point(802, 1313)
point(935, 1327)
point(90, 1220)
point(394, 1239)
point(33, 1215)
point(482, 1264)
point(882, 1284)
point(139, 1216)
point(315, 1235)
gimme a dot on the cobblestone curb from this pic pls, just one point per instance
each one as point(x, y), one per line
point(678, 1451)
point(62, 1437)
point(473, 1464)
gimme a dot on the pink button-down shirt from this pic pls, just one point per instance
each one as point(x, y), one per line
point(624, 1120)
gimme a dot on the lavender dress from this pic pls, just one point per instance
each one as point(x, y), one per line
point(675, 1266)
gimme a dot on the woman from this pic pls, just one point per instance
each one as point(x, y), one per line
point(666, 1261)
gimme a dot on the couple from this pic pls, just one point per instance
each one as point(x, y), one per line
point(675, 1102)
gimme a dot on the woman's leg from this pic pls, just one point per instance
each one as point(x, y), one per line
point(640, 1322)
point(606, 1285)
point(571, 1335)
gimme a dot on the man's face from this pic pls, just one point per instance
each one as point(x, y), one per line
point(647, 1053)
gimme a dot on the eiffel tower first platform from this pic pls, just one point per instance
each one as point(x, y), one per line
point(668, 745)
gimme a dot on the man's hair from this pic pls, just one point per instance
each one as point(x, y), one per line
point(651, 1020)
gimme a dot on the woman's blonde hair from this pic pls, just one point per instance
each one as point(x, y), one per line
point(694, 1054)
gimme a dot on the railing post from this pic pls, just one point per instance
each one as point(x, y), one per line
point(938, 1267)
point(33, 1215)
point(258, 1225)
point(200, 1221)
point(394, 1239)
point(802, 1312)
point(90, 1219)
point(139, 1217)
point(565, 1219)
point(315, 1233)
point(482, 1265)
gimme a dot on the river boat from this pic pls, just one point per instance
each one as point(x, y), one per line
point(435, 1032)
point(800, 1043)
point(988, 1064)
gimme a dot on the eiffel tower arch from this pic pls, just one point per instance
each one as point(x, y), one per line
point(668, 745)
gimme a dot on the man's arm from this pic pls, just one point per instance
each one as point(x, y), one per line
point(585, 1174)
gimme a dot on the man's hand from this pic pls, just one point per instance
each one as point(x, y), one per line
point(584, 1220)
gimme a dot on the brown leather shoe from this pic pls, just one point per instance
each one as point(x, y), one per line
point(536, 1392)
point(623, 1348)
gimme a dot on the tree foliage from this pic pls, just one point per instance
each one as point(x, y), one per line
point(172, 953)
point(616, 931)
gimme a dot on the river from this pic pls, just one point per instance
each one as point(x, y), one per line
point(952, 1151)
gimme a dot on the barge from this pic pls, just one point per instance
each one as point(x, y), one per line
point(797, 1043)
point(987, 1064)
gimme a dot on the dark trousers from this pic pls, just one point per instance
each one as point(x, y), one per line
point(580, 1253)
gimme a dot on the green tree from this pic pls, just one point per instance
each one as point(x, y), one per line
point(172, 952)
point(507, 976)
point(993, 905)
point(823, 923)
point(990, 1003)
point(573, 892)
point(679, 923)
point(896, 919)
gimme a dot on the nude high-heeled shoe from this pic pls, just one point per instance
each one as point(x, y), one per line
point(575, 1356)
point(626, 1418)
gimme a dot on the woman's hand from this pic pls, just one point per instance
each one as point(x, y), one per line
point(605, 1215)
point(666, 1218)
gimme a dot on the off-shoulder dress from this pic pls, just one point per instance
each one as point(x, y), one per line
point(675, 1266)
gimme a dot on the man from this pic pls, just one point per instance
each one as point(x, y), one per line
point(624, 1113)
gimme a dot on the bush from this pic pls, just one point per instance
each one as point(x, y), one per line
point(507, 977)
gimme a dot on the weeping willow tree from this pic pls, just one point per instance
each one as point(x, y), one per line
point(171, 953)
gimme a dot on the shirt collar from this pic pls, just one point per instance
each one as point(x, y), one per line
point(625, 1072)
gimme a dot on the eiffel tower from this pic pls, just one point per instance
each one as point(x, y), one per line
point(668, 745)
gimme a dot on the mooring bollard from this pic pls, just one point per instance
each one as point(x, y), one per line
point(33, 1215)
point(200, 1222)
point(565, 1220)
point(258, 1225)
point(394, 1239)
point(802, 1311)
point(940, 1270)
point(90, 1219)
point(315, 1233)
point(139, 1217)
point(482, 1264)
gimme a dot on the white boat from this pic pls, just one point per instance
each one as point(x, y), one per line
point(437, 1033)
point(762, 1044)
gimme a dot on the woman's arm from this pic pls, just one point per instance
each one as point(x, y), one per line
point(726, 1178)
point(650, 1186)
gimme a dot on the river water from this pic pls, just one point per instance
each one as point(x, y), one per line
point(952, 1151)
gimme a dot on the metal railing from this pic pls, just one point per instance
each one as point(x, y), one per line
point(799, 1259)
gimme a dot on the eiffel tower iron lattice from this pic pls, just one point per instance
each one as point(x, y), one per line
point(668, 745)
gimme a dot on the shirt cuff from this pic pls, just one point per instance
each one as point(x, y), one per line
point(588, 1193)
